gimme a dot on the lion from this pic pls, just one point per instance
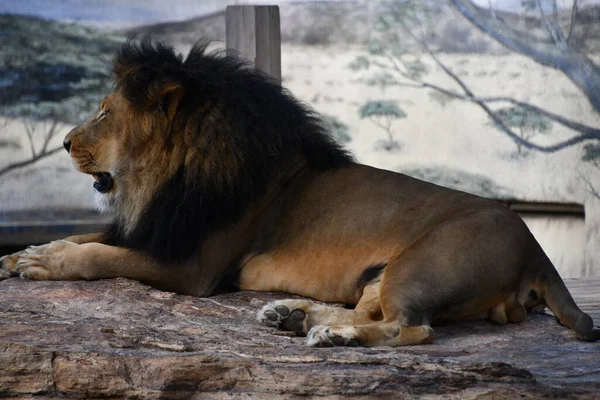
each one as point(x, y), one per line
point(217, 175)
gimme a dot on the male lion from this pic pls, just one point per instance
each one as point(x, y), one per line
point(216, 173)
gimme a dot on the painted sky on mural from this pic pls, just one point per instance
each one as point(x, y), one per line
point(114, 14)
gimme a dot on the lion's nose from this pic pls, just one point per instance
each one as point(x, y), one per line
point(67, 144)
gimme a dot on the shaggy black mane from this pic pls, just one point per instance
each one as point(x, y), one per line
point(248, 127)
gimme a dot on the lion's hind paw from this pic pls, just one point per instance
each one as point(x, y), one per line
point(277, 314)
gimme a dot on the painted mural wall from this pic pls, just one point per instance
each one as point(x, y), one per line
point(500, 98)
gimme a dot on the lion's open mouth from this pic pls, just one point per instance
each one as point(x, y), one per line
point(103, 182)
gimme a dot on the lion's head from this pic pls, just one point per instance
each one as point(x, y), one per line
point(181, 148)
point(122, 142)
point(95, 148)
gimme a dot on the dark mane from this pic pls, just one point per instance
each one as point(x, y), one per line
point(246, 127)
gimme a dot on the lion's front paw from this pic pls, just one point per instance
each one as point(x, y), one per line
point(8, 265)
point(329, 336)
point(288, 315)
point(43, 262)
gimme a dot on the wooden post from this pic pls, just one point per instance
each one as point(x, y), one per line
point(254, 32)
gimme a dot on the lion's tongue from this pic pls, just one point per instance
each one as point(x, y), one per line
point(103, 182)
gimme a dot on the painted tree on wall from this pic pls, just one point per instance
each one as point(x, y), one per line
point(592, 155)
point(563, 47)
point(41, 122)
point(527, 124)
point(555, 37)
point(565, 52)
point(383, 113)
point(338, 129)
point(52, 74)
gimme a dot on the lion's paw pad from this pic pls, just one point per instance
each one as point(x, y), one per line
point(279, 316)
point(326, 336)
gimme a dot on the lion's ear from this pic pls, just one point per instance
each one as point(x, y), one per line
point(170, 96)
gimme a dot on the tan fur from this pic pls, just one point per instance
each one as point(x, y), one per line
point(443, 254)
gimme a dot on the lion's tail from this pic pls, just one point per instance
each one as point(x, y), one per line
point(561, 303)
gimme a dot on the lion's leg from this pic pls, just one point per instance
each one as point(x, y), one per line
point(374, 334)
point(446, 274)
point(98, 237)
point(8, 262)
point(398, 324)
point(301, 315)
point(64, 260)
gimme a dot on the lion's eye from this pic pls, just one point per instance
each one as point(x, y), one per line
point(101, 115)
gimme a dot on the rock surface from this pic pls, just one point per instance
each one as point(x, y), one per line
point(118, 338)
